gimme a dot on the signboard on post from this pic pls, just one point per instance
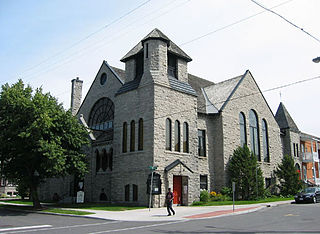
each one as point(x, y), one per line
point(152, 168)
point(80, 197)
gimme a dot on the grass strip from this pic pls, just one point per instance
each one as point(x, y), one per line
point(222, 203)
point(63, 211)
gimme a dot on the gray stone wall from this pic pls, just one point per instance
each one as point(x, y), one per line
point(246, 97)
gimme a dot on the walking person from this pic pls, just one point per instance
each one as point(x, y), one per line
point(169, 200)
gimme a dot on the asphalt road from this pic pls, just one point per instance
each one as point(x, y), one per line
point(289, 218)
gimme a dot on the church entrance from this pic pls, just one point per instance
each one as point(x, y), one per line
point(180, 190)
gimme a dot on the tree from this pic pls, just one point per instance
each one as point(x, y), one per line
point(288, 177)
point(244, 170)
point(39, 139)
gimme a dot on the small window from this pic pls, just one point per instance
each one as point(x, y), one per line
point(294, 149)
point(124, 137)
point(139, 65)
point(132, 135)
point(204, 182)
point(126, 192)
point(103, 78)
point(147, 50)
point(202, 143)
point(297, 150)
point(172, 66)
point(168, 135)
point(177, 136)
point(134, 192)
point(268, 182)
point(185, 137)
point(140, 135)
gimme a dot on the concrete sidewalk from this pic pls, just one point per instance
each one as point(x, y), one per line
point(182, 212)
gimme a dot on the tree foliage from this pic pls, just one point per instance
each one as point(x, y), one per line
point(39, 139)
point(288, 177)
point(244, 170)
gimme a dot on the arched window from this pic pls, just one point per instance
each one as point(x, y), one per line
point(168, 135)
point(265, 141)
point(110, 159)
point(243, 132)
point(177, 136)
point(140, 135)
point(126, 192)
point(132, 135)
point(185, 137)
point(254, 134)
point(134, 192)
point(97, 160)
point(104, 160)
point(101, 115)
point(124, 137)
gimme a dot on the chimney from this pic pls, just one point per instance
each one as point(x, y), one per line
point(76, 95)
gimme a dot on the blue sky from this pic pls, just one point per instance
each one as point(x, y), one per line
point(46, 43)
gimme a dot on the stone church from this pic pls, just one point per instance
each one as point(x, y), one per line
point(155, 114)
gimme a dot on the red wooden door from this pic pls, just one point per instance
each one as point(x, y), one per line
point(177, 189)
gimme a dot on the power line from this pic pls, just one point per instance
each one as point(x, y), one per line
point(260, 5)
point(87, 37)
point(94, 46)
point(232, 24)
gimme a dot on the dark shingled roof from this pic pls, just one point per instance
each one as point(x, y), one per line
point(128, 86)
point(174, 164)
point(197, 83)
point(181, 86)
point(284, 119)
point(157, 34)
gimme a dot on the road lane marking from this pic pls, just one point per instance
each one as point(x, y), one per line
point(139, 227)
point(64, 227)
point(25, 227)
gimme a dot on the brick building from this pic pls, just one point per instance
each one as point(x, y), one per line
point(157, 114)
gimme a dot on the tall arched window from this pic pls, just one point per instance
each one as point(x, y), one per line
point(265, 142)
point(140, 135)
point(254, 134)
point(243, 132)
point(134, 192)
point(132, 135)
point(126, 192)
point(97, 160)
point(104, 160)
point(110, 159)
point(185, 137)
point(124, 137)
point(177, 136)
point(168, 135)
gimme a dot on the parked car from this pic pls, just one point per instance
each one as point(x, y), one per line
point(310, 194)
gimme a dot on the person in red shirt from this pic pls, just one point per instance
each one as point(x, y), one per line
point(169, 200)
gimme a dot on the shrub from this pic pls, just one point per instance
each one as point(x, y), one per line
point(204, 196)
point(226, 191)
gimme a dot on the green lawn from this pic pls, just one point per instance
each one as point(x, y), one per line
point(90, 206)
point(221, 203)
point(62, 211)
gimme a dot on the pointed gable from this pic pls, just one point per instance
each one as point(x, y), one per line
point(157, 34)
point(221, 92)
point(284, 119)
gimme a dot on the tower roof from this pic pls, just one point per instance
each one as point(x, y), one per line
point(284, 119)
point(158, 35)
